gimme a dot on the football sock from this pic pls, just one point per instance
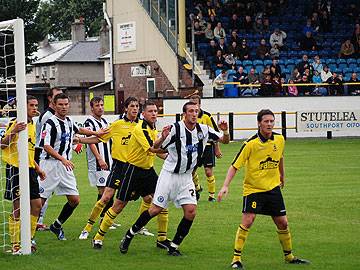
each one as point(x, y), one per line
point(105, 224)
point(182, 231)
point(196, 181)
point(142, 220)
point(240, 238)
point(211, 186)
point(34, 220)
point(14, 230)
point(163, 220)
point(98, 207)
point(43, 211)
point(107, 206)
point(143, 207)
point(285, 241)
point(65, 213)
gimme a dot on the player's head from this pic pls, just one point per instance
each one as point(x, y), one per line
point(32, 106)
point(131, 108)
point(97, 106)
point(62, 103)
point(150, 112)
point(51, 93)
point(196, 99)
point(266, 122)
point(190, 112)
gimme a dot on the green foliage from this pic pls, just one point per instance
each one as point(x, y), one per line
point(321, 195)
point(56, 16)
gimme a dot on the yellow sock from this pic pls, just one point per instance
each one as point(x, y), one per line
point(143, 207)
point(163, 220)
point(285, 241)
point(211, 186)
point(240, 238)
point(14, 230)
point(108, 220)
point(95, 213)
point(34, 220)
point(196, 181)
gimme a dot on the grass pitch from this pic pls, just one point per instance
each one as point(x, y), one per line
point(321, 196)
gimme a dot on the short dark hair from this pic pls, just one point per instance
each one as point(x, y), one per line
point(195, 97)
point(30, 97)
point(148, 103)
point(95, 100)
point(264, 112)
point(60, 96)
point(129, 100)
point(187, 104)
point(50, 92)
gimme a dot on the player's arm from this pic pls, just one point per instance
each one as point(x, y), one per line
point(162, 155)
point(11, 132)
point(225, 188)
point(98, 157)
point(39, 171)
point(155, 148)
point(282, 172)
point(225, 138)
point(67, 163)
point(87, 132)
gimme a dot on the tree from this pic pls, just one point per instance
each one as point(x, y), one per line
point(25, 9)
point(57, 16)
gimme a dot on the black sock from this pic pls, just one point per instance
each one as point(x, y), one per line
point(107, 206)
point(65, 213)
point(182, 230)
point(143, 219)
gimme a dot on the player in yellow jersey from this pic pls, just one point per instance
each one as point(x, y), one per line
point(262, 155)
point(211, 150)
point(10, 157)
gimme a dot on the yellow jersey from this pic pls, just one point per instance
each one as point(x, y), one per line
point(120, 132)
point(10, 154)
point(142, 139)
point(261, 158)
point(206, 119)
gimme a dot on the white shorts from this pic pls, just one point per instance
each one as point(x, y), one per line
point(58, 179)
point(98, 178)
point(175, 187)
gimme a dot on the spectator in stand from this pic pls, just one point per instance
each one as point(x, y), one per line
point(234, 37)
point(325, 74)
point(234, 50)
point(264, 73)
point(276, 85)
point(258, 26)
point(315, 22)
point(222, 46)
point(278, 37)
point(275, 52)
point(335, 87)
point(219, 31)
point(303, 64)
point(234, 23)
point(241, 77)
point(198, 33)
point(308, 42)
point(253, 77)
point(244, 50)
point(213, 48)
point(304, 90)
point(219, 83)
point(276, 67)
point(319, 90)
point(201, 20)
point(266, 87)
point(354, 89)
point(248, 24)
point(356, 35)
point(347, 49)
point(325, 22)
point(209, 33)
point(317, 65)
point(262, 51)
point(266, 25)
point(309, 72)
point(219, 9)
point(213, 21)
point(292, 89)
point(308, 27)
point(210, 8)
point(295, 75)
point(219, 61)
point(353, 11)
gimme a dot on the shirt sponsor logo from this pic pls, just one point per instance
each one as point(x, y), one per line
point(268, 164)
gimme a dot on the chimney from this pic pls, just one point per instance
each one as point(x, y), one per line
point(78, 30)
point(104, 38)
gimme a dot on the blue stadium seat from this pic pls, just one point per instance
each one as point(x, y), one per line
point(330, 61)
point(267, 62)
point(347, 70)
point(238, 62)
point(248, 67)
point(351, 61)
point(290, 66)
point(353, 65)
point(340, 61)
point(217, 72)
point(247, 62)
point(259, 68)
point(342, 65)
point(258, 62)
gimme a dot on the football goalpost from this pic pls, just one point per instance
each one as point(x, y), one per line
point(12, 72)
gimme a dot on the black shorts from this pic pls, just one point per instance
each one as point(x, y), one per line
point(270, 203)
point(208, 158)
point(115, 177)
point(136, 182)
point(12, 191)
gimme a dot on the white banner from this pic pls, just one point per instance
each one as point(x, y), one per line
point(337, 120)
point(126, 36)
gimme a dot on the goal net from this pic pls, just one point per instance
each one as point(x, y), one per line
point(13, 104)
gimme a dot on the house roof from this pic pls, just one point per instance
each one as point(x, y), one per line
point(67, 52)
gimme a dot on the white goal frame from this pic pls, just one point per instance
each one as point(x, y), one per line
point(17, 25)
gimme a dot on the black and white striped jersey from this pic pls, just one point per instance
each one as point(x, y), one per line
point(44, 116)
point(58, 134)
point(185, 147)
point(104, 148)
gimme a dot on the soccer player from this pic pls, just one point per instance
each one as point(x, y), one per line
point(55, 160)
point(184, 141)
point(262, 155)
point(11, 158)
point(120, 132)
point(44, 116)
point(138, 177)
point(211, 150)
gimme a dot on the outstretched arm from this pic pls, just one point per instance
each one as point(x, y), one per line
point(225, 188)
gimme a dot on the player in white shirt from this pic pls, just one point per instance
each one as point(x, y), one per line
point(184, 141)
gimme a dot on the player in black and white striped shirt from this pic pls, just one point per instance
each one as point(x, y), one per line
point(55, 159)
point(184, 141)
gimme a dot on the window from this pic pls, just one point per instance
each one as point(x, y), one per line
point(37, 72)
point(52, 72)
point(44, 72)
point(150, 87)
